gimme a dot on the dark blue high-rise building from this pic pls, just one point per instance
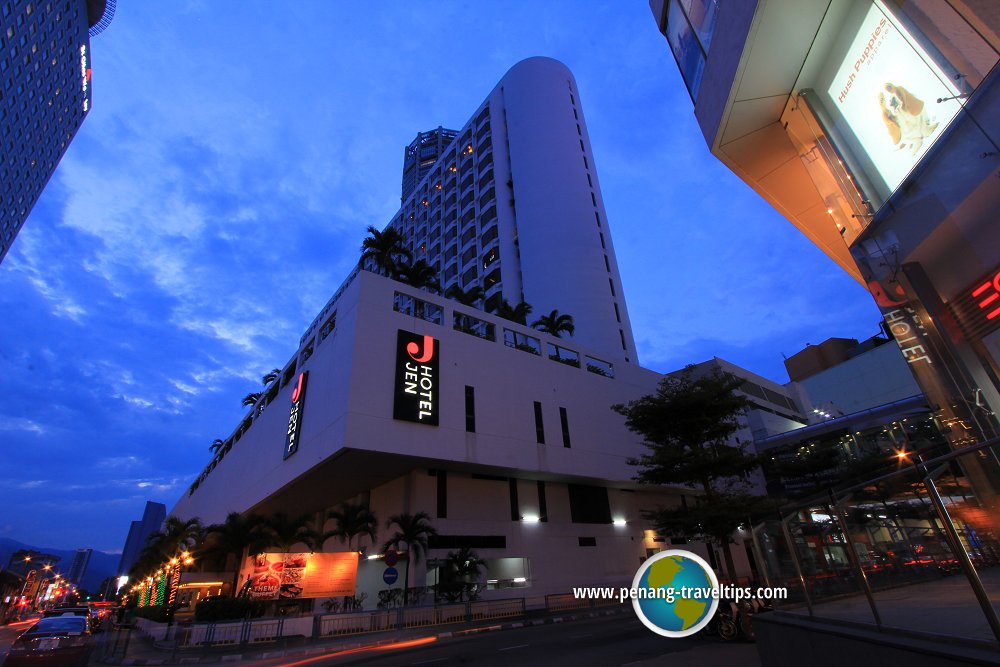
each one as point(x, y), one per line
point(139, 532)
point(45, 93)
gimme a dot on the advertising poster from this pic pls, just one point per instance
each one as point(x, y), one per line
point(886, 89)
point(303, 575)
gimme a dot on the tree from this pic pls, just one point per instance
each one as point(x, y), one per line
point(419, 274)
point(271, 376)
point(385, 249)
point(518, 313)
point(469, 297)
point(234, 536)
point(687, 426)
point(216, 445)
point(462, 570)
point(284, 532)
point(351, 521)
point(413, 530)
point(252, 398)
point(555, 324)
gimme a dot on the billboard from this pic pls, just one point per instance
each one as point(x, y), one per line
point(294, 576)
point(295, 415)
point(417, 372)
point(885, 88)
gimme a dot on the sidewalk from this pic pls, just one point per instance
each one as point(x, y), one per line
point(134, 649)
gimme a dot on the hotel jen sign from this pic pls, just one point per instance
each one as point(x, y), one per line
point(295, 414)
point(417, 376)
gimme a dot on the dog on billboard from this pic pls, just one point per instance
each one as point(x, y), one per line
point(905, 117)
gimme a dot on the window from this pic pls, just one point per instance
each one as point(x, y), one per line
point(307, 351)
point(587, 541)
point(442, 494)
point(515, 509)
point(491, 256)
point(599, 367)
point(408, 305)
point(564, 422)
point(470, 409)
point(611, 283)
point(539, 426)
point(689, 28)
point(469, 276)
point(522, 342)
point(607, 265)
point(474, 326)
point(491, 279)
point(589, 504)
point(563, 355)
point(618, 315)
point(489, 235)
point(543, 510)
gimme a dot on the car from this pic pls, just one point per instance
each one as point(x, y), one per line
point(86, 612)
point(60, 641)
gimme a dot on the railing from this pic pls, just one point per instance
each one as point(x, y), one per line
point(416, 617)
point(567, 602)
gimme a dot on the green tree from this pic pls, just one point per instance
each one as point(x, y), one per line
point(283, 532)
point(385, 249)
point(419, 274)
point(555, 324)
point(352, 520)
point(688, 427)
point(236, 536)
point(252, 398)
point(216, 445)
point(518, 313)
point(461, 571)
point(470, 297)
point(271, 376)
point(414, 531)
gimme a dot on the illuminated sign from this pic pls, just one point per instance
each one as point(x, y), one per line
point(977, 308)
point(887, 89)
point(295, 415)
point(84, 77)
point(909, 334)
point(301, 575)
point(417, 374)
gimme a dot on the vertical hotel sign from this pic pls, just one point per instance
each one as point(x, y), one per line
point(295, 414)
point(417, 376)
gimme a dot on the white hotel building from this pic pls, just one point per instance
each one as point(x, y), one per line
point(514, 450)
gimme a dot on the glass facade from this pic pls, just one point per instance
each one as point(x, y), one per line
point(689, 28)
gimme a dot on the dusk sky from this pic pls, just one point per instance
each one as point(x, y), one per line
point(219, 190)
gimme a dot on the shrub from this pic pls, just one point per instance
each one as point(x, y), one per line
point(156, 613)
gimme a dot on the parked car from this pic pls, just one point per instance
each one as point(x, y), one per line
point(60, 641)
point(93, 620)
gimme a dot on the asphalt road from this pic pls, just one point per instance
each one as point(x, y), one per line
point(602, 642)
point(9, 632)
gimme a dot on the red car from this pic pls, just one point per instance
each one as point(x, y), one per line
point(59, 641)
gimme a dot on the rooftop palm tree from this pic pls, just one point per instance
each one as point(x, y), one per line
point(252, 398)
point(352, 520)
point(385, 249)
point(216, 445)
point(555, 324)
point(419, 274)
point(413, 530)
point(518, 313)
point(284, 532)
point(271, 376)
point(469, 297)
point(235, 536)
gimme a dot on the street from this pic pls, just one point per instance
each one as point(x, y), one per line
point(599, 642)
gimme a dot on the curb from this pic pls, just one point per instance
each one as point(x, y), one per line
point(360, 646)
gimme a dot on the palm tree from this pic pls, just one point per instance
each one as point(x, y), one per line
point(216, 445)
point(419, 274)
point(271, 376)
point(469, 297)
point(236, 535)
point(251, 398)
point(413, 530)
point(352, 520)
point(555, 324)
point(464, 565)
point(518, 313)
point(386, 249)
point(284, 532)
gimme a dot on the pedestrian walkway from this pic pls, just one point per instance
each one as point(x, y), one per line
point(128, 647)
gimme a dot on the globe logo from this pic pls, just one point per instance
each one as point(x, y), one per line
point(673, 593)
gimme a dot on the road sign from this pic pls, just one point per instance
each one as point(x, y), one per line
point(391, 557)
point(390, 575)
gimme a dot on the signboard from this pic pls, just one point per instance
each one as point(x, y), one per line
point(417, 377)
point(390, 575)
point(977, 308)
point(295, 415)
point(302, 575)
point(887, 89)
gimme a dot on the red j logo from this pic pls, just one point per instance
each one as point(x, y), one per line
point(414, 351)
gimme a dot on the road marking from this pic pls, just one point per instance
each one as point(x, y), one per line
point(511, 648)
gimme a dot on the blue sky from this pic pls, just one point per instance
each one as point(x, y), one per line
point(218, 193)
